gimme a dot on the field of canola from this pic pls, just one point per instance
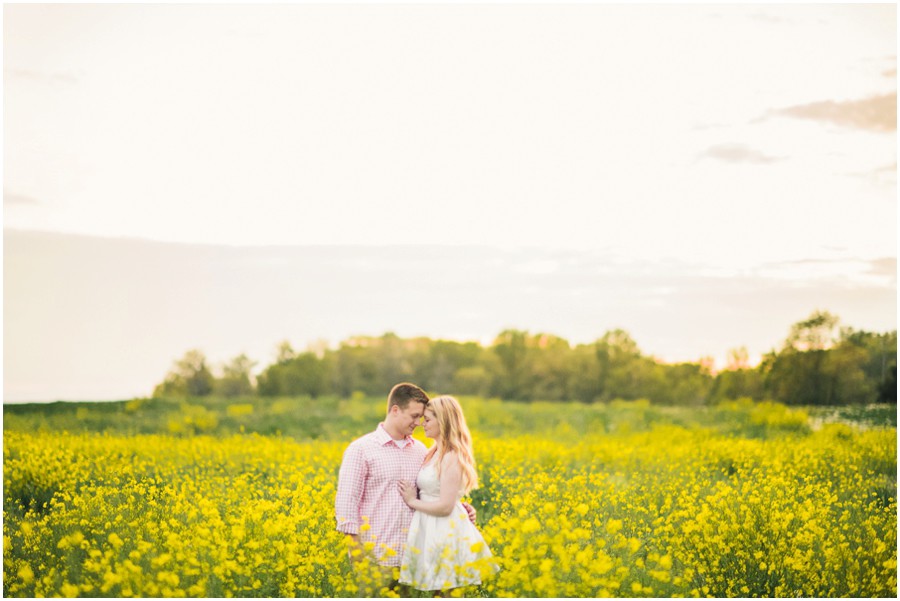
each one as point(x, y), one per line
point(669, 511)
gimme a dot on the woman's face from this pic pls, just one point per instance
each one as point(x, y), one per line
point(431, 425)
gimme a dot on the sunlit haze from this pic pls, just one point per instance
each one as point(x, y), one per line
point(225, 177)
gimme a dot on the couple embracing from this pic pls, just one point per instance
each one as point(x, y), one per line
point(399, 503)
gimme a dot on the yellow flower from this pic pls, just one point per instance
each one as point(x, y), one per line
point(69, 590)
point(26, 574)
point(530, 525)
point(613, 526)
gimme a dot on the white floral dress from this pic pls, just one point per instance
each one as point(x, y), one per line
point(443, 552)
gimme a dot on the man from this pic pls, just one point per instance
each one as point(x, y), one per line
point(368, 505)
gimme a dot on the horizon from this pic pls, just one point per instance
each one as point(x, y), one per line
point(566, 291)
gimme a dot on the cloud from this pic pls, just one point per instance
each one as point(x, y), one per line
point(876, 113)
point(537, 267)
point(884, 174)
point(11, 199)
point(770, 18)
point(737, 153)
point(708, 125)
point(853, 272)
point(886, 266)
point(54, 77)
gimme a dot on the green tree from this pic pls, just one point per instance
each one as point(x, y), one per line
point(353, 368)
point(798, 374)
point(738, 379)
point(816, 333)
point(622, 370)
point(437, 364)
point(475, 380)
point(817, 367)
point(294, 375)
point(844, 377)
point(683, 384)
point(189, 377)
point(586, 381)
point(550, 367)
point(513, 379)
point(237, 377)
point(887, 392)
point(391, 356)
point(880, 367)
point(285, 352)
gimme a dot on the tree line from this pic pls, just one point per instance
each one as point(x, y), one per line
point(819, 363)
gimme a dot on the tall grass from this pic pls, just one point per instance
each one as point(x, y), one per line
point(332, 418)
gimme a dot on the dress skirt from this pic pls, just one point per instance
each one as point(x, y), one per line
point(445, 552)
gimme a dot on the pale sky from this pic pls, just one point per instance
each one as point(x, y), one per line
point(749, 146)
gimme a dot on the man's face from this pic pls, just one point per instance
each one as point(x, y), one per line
point(410, 418)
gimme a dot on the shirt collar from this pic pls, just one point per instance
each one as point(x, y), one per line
point(384, 438)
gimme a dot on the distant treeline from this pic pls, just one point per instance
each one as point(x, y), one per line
point(819, 363)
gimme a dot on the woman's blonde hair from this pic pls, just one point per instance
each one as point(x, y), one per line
point(455, 437)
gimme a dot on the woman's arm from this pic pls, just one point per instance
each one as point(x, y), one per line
point(451, 481)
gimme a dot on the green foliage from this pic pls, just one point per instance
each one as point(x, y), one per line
point(190, 376)
point(737, 383)
point(817, 368)
point(879, 360)
point(814, 366)
point(302, 374)
point(236, 378)
point(887, 390)
point(815, 333)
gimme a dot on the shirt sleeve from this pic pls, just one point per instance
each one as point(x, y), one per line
point(351, 481)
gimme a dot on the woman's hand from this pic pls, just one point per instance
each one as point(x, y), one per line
point(407, 491)
point(469, 510)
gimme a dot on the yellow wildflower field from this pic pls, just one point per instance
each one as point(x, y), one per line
point(673, 511)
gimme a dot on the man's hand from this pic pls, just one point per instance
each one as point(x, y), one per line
point(470, 510)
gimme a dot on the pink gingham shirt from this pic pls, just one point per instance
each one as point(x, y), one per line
point(367, 488)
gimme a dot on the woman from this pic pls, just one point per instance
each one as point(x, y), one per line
point(444, 550)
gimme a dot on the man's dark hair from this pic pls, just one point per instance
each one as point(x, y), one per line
point(405, 393)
